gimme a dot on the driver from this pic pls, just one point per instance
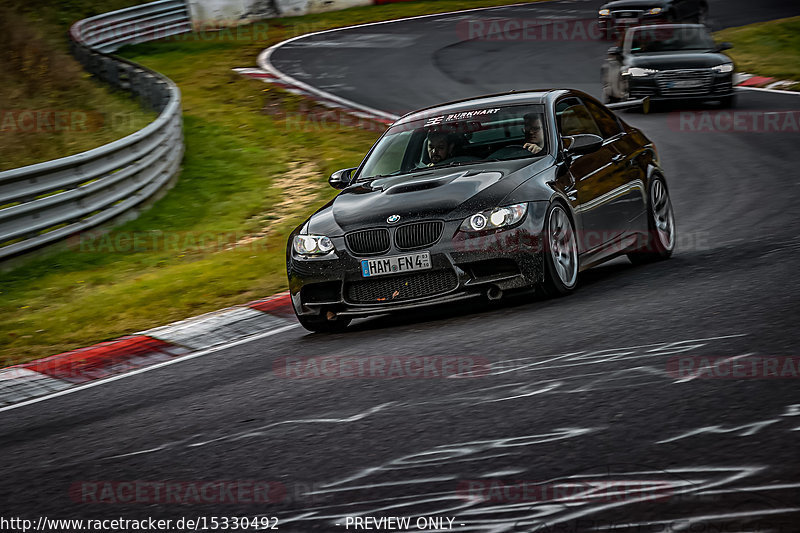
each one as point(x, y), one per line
point(534, 132)
point(441, 146)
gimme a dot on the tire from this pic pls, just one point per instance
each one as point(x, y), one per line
point(608, 96)
point(318, 324)
point(660, 239)
point(560, 252)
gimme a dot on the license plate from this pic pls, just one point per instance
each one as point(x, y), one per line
point(395, 264)
point(686, 84)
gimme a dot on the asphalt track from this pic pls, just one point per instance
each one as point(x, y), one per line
point(578, 388)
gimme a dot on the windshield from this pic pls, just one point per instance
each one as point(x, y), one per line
point(649, 40)
point(455, 139)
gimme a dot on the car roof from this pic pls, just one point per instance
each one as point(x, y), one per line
point(536, 96)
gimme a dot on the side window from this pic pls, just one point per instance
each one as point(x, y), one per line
point(606, 120)
point(574, 118)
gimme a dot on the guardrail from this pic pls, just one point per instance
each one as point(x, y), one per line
point(48, 202)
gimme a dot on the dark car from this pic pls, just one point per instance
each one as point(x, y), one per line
point(615, 17)
point(475, 198)
point(669, 62)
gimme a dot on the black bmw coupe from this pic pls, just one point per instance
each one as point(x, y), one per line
point(477, 198)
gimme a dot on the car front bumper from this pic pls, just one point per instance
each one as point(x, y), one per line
point(462, 267)
point(717, 86)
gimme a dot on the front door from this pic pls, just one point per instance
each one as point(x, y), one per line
point(598, 178)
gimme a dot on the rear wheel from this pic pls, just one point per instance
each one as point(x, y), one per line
point(560, 253)
point(660, 239)
point(320, 324)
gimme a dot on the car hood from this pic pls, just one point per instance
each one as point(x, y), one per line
point(447, 193)
point(634, 4)
point(681, 60)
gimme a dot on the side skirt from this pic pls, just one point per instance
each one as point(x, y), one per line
point(621, 245)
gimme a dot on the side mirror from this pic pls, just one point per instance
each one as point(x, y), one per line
point(582, 143)
point(723, 46)
point(615, 51)
point(341, 178)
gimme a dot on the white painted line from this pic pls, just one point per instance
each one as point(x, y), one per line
point(153, 367)
point(265, 56)
point(776, 91)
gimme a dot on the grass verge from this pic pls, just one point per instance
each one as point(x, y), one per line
point(256, 164)
point(49, 107)
point(767, 48)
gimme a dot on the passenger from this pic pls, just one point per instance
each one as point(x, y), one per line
point(441, 146)
point(534, 133)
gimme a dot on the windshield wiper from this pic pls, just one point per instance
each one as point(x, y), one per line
point(462, 163)
point(420, 169)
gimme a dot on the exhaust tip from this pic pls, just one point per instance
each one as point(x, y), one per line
point(494, 293)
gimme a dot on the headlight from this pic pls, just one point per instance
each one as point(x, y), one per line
point(495, 218)
point(723, 68)
point(655, 11)
point(312, 244)
point(604, 12)
point(637, 72)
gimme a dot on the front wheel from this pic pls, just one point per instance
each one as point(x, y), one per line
point(660, 239)
point(608, 92)
point(560, 253)
point(319, 324)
